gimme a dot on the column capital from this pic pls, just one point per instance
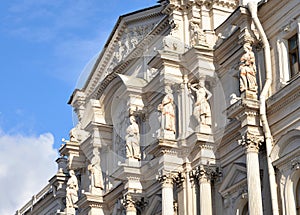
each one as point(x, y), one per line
point(179, 179)
point(251, 142)
point(128, 203)
point(166, 180)
point(205, 173)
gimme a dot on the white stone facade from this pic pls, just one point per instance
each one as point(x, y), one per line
point(192, 108)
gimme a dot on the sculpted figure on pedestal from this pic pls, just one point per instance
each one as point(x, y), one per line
point(133, 140)
point(248, 70)
point(196, 34)
point(95, 170)
point(71, 191)
point(167, 111)
point(202, 110)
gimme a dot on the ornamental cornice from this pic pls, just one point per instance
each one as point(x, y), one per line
point(223, 3)
point(206, 146)
point(129, 39)
point(278, 102)
point(169, 151)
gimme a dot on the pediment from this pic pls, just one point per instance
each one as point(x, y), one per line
point(129, 32)
point(236, 177)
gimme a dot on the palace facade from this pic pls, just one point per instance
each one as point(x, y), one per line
point(192, 107)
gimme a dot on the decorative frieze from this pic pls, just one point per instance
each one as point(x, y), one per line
point(128, 41)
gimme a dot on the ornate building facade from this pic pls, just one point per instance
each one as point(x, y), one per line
point(191, 108)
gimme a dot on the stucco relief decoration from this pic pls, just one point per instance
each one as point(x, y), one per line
point(133, 140)
point(202, 111)
point(95, 172)
point(166, 107)
point(248, 70)
point(72, 191)
point(196, 34)
point(129, 40)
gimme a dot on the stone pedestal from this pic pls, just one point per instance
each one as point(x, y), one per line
point(165, 134)
point(204, 129)
point(91, 204)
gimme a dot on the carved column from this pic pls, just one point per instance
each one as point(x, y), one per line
point(203, 175)
point(167, 194)
point(251, 144)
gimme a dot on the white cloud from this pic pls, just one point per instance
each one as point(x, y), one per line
point(26, 165)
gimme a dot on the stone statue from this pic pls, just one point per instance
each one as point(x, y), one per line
point(71, 191)
point(248, 70)
point(202, 110)
point(133, 140)
point(95, 170)
point(196, 34)
point(168, 112)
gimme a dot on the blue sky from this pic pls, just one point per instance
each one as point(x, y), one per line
point(45, 45)
point(44, 48)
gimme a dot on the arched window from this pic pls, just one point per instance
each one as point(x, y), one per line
point(298, 197)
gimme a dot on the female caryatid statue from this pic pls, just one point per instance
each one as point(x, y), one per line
point(248, 70)
point(72, 190)
point(133, 140)
point(167, 111)
point(202, 110)
point(96, 172)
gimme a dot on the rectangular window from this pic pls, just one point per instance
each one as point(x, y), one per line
point(294, 55)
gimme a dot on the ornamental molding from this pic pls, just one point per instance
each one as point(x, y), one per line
point(205, 173)
point(252, 142)
point(171, 178)
point(182, 5)
point(128, 36)
point(275, 106)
